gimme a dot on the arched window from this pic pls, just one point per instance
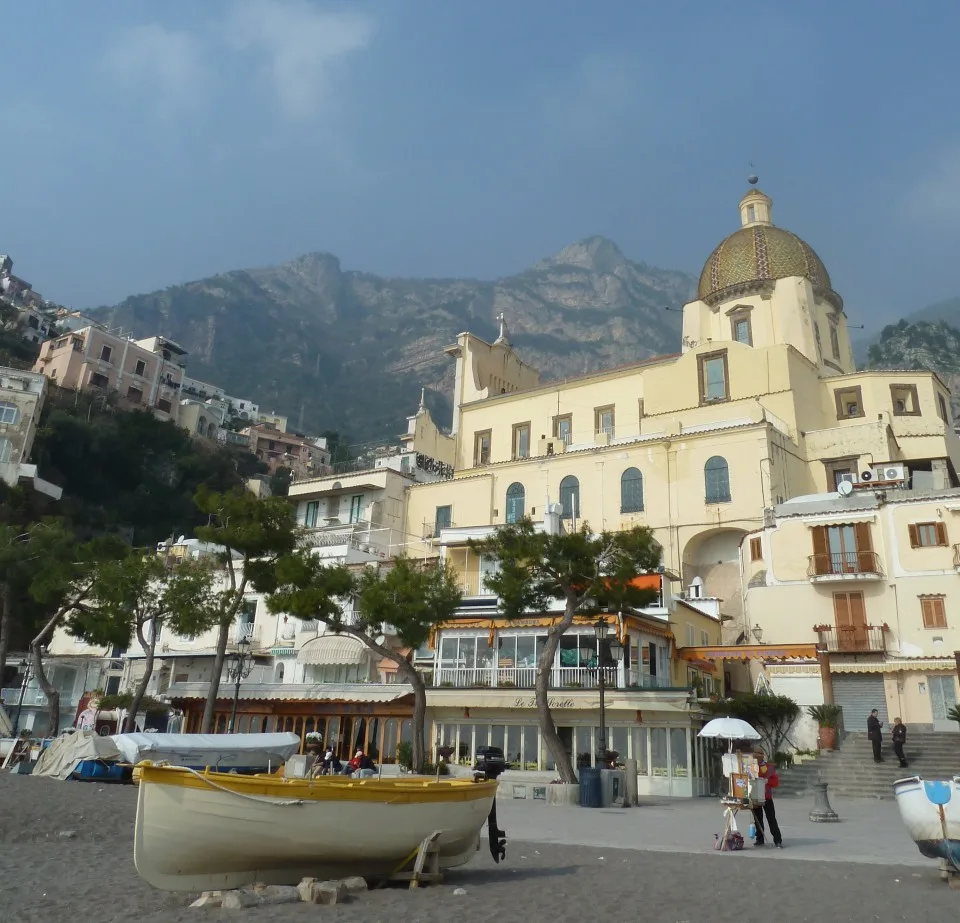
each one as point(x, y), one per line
point(570, 497)
point(6, 450)
point(515, 498)
point(631, 491)
point(716, 479)
point(278, 675)
point(9, 413)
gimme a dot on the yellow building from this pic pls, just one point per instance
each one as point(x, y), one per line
point(870, 577)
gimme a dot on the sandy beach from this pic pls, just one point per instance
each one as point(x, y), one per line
point(66, 853)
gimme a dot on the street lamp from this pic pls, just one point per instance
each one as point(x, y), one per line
point(241, 663)
point(601, 629)
point(25, 667)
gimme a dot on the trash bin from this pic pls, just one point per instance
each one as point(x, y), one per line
point(591, 788)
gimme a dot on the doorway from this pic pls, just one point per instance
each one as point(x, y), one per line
point(943, 696)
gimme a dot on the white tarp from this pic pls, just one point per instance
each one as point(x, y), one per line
point(226, 751)
point(63, 756)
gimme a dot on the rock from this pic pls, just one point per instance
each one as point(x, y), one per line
point(277, 894)
point(459, 891)
point(209, 899)
point(322, 892)
point(237, 900)
point(68, 834)
point(355, 884)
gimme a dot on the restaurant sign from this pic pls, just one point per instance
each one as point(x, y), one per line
point(551, 703)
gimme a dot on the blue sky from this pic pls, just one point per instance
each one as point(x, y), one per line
point(150, 143)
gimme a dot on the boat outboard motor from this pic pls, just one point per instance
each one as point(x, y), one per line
point(490, 764)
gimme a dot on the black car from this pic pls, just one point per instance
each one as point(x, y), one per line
point(490, 760)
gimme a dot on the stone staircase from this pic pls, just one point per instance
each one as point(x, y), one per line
point(851, 772)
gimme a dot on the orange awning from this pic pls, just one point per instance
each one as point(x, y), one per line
point(750, 652)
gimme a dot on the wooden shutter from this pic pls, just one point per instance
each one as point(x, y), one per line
point(858, 612)
point(941, 533)
point(934, 612)
point(865, 558)
point(756, 550)
point(914, 531)
point(821, 553)
point(841, 612)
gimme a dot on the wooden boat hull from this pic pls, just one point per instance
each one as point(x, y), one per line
point(931, 812)
point(199, 831)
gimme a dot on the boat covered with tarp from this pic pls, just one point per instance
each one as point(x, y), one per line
point(930, 809)
point(82, 755)
point(240, 753)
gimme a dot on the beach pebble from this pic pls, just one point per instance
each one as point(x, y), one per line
point(68, 834)
point(355, 884)
point(459, 891)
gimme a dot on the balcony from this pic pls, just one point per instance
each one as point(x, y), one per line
point(492, 677)
point(844, 565)
point(245, 632)
point(855, 639)
point(10, 697)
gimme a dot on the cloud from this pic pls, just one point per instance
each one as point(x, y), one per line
point(935, 196)
point(166, 63)
point(303, 47)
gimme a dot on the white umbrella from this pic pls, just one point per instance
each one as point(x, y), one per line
point(729, 729)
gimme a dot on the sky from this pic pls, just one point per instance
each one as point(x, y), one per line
point(147, 143)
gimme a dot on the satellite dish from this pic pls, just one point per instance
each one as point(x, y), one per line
point(845, 488)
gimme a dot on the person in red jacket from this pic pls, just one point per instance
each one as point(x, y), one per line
point(768, 772)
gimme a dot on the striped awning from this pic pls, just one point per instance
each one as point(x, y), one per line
point(775, 652)
point(333, 650)
point(894, 666)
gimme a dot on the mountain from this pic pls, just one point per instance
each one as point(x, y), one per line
point(923, 344)
point(348, 350)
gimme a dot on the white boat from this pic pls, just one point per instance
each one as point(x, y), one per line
point(207, 831)
point(930, 809)
point(225, 752)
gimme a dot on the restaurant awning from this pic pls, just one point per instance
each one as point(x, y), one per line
point(332, 650)
point(894, 666)
point(750, 652)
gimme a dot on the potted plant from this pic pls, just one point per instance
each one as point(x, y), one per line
point(954, 714)
point(828, 719)
point(312, 742)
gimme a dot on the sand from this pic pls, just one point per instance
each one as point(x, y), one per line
point(90, 876)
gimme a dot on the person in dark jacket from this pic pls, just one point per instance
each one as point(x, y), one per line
point(768, 772)
point(899, 739)
point(873, 735)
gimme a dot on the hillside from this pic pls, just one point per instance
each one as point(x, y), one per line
point(349, 350)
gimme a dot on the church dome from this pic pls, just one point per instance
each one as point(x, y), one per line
point(759, 253)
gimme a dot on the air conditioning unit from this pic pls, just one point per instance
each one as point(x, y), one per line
point(888, 473)
point(552, 446)
point(866, 477)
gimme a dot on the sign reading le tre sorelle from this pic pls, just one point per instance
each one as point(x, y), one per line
point(551, 703)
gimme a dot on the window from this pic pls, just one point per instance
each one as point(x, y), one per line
point(134, 394)
point(6, 450)
point(849, 403)
point(934, 611)
point(515, 498)
point(751, 213)
point(105, 353)
point(442, 519)
point(691, 635)
point(834, 341)
point(481, 448)
point(704, 637)
point(98, 380)
point(741, 330)
point(850, 616)
point(356, 506)
point(164, 406)
point(712, 369)
point(631, 491)
point(521, 440)
point(838, 471)
point(570, 497)
point(816, 333)
point(9, 413)
point(311, 513)
point(927, 534)
point(603, 420)
point(716, 477)
point(843, 549)
point(905, 401)
point(942, 408)
point(563, 428)
point(756, 549)
point(140, 368)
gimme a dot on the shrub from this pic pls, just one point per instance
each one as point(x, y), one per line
point(826, 716)
point(405, 754)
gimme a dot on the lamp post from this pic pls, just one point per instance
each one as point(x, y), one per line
point(616, 651)
point(241, 663)
point(25, 667)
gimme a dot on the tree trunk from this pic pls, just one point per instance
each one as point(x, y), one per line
point(419, 711)
point(130, 722)
point(5, 621)
point(49, 690)
point(548, 728)
point(214, 688)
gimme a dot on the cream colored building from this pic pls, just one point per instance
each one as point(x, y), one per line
point(870, 578)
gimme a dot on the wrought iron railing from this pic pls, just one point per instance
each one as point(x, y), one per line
point(844, 563)
point(853, 639)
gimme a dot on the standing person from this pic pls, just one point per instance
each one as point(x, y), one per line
point(873, 735)
point(768, 772)
point(899, 739)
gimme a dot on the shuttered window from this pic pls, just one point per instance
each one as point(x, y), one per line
point(934, 611)
point(843, 549)
point(927, 534)
point(756, 549)
point(851, 619)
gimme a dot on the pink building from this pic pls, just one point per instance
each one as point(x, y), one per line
point(145, 373)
